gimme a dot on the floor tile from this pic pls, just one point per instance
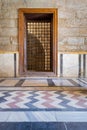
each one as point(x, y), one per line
point(81, 83)
point(9, 82)
point(19, 83)
point(35, 83)
point(45, 106)
point(76, 126)
point(43, 100)
point(32, 126)
point(44, 82)
point(62, 82)
point(47, 116)
point(75, 83)
point(43, 126)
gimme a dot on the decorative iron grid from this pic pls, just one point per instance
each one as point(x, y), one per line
point(39, 45)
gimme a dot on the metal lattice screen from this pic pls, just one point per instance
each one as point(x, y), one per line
point(39, 45)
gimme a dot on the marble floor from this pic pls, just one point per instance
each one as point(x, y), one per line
point(42, 82)
point(43, 104)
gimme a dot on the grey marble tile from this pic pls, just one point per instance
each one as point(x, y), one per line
point(81, 84)
point(43, 126)
point(41, 116)
point(76, 125)
point(72, 116)
point(4, 116)
point(62, 82)
point(32, 126)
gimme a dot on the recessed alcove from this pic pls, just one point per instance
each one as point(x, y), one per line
point(38, 41)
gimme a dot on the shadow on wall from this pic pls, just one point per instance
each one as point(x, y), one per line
point(35, 53)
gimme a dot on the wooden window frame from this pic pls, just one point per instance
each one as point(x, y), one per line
point(22, 37)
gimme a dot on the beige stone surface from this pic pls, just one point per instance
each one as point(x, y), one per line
point(72, 16)
point(72, 23)
point(9, 13)
point(67, 32)
point(35, 83)
point(8, 23)
point(82, 13)
point(76, 3)
point(9, 83)
point(83, 32)
point(66, 13)
point(9, 32)
point(4, 40)
point(9, 47)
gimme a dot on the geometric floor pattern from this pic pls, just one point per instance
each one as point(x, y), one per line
point(39, 104)
point(41, 82)
point(43, 100)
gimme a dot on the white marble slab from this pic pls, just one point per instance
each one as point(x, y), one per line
point(62, 82)
point(40, 116)
point(35, 83)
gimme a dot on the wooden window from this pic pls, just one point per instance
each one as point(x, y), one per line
point(38, 41)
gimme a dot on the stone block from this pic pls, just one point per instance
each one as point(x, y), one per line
point(67, 32)
point(83, 31)
point(62, 22)
point(72, 22)
point(42, 4)
point(19, 3)
point(5, 47)
point(80, 22)
point(28, 3)
point(14, 47)
point(9, 13)
point(67, 23)
point(72, 44)
point(5, 23)
point(13, 13)
point(4, 13)
point(81, 14)
point(9, 47)
point(75, 41)
point(66, 12)
point(12, 40)
point(13, 4)
point(77, 4)
point(4, 40)
point(9, 32)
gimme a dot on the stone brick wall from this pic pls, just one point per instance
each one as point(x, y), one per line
point(73, 25)
point(72, 22)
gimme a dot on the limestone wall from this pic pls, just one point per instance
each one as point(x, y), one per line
point(72, 24)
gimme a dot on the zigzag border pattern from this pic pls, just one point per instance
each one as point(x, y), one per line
point(64, 100)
